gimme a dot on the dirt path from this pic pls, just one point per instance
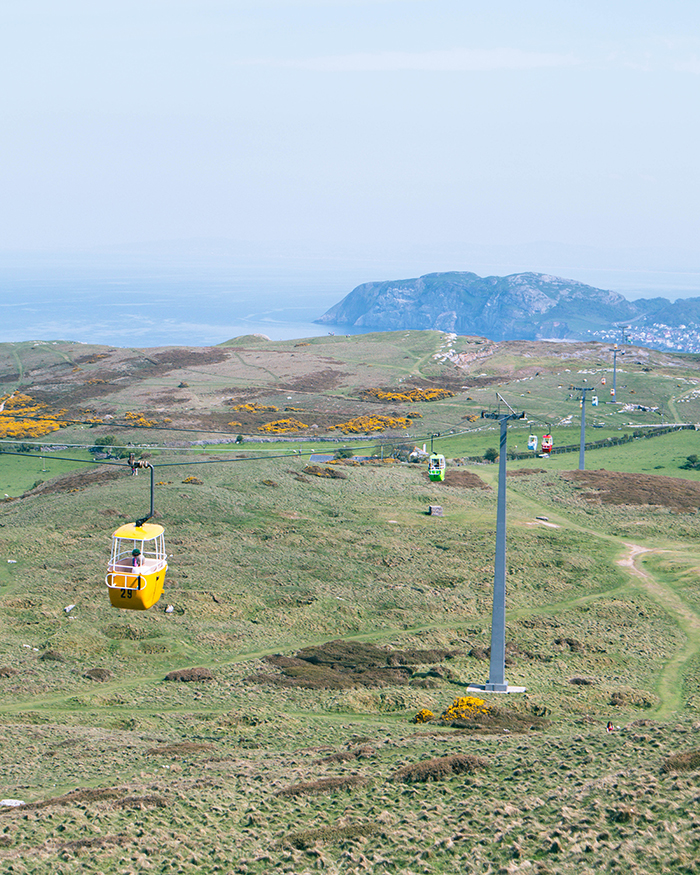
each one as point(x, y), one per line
point(670, 681)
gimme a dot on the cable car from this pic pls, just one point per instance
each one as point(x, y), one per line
point(594, 400)
point(532, 443)
point(137, 566)
point(436, 466)
point(547, 444)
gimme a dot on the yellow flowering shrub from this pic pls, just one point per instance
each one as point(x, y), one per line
point(253, 407)
point(465, 707)
point(409, 395)
point(282, 426)
point(23, 417)
point(140, 420)
point(423, 716)
point(364, 424)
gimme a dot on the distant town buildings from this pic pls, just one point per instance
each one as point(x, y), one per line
point(679, 338)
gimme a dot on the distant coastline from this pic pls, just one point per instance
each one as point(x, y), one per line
point(159, 304)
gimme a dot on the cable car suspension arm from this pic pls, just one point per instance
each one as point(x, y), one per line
point(134, 464)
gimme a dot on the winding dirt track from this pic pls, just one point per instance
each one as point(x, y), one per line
point(671, 677)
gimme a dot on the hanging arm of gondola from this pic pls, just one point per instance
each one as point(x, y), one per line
point(134, 464)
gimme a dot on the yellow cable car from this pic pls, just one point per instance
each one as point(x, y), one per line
point(137, 566)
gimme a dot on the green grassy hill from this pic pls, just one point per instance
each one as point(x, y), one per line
point(290, 753)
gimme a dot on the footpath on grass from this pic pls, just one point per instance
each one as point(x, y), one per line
point(670, 682)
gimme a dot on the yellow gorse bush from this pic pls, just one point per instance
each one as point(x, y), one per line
point(364, 424)
point(282, 426)
point(409, 395)
point(23, 417)
point(256, 408)
point(465, 707)
point(423, 716)
point(140, 419)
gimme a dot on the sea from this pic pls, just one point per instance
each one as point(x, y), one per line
point(153, 299)
point(145, 309)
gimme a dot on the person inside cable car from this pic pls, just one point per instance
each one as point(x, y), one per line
point(136, 558)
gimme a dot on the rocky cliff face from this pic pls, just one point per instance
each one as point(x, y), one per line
point(523, 306)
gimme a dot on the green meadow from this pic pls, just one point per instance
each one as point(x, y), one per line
point(313, 617)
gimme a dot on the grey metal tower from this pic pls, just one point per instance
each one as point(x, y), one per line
point(497, 682)
point(582, 448)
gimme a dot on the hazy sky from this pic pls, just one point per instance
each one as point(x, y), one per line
point(368, 122)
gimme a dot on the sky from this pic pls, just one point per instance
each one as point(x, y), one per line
point(383, 127)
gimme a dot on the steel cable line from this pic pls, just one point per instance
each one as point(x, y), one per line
point(247, 458)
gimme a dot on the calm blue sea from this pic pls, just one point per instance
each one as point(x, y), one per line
point(164, 311)
point(171, 298)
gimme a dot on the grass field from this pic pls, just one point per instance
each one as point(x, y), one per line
point(295, 754)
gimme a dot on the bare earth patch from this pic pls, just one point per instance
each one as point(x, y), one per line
point(78, 480)
point(345, 664)
point(617, 488)
point(464, 479)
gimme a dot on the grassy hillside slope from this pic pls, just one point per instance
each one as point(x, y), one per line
point(287, 753)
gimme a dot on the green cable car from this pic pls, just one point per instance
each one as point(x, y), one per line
point(436, 466)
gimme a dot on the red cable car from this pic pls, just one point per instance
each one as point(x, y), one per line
point(547, 444)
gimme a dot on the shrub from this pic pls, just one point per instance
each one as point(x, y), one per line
point(439, 768)
point(282, 426)
point(682, 762)
point(323, 785)
point(253, 407)
point(307, 838)
point(344, 453)
point(187, 675)
point(465, 707)
point(111, 445)
point(408, 395)
point(98, 674)
point(179, 748)
point(365, 424)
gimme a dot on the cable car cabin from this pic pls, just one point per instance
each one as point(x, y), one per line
point(547, 443)
point(436, 466)
point(532, 443)
point(137, 566)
